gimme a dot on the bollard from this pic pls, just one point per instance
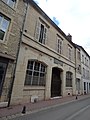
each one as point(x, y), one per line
point(24, 110)
point(76, 97)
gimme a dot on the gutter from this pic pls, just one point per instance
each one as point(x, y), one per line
point(17, 55)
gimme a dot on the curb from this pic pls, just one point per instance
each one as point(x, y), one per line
point(40, 109)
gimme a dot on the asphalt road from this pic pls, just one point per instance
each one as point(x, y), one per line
point(78, 110)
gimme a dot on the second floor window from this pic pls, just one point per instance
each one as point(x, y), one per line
point(11, 3)
point(78, 55)
point(69, 53)
point(79, 69)
point(59, 45)
point(84, 72)
point(4, 24)
point(41, 33)
point(82, 58)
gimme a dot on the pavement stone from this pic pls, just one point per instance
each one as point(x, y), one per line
point(15, 111)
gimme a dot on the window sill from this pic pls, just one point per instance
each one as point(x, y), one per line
point(27, 87)
point(68, 88)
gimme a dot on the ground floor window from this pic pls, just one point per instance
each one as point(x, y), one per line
point(2, 74)
point(89, 86)
point(84, 85)
point(35, 73)
point(68, 79)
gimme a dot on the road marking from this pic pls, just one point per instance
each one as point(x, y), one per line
point(77, 113)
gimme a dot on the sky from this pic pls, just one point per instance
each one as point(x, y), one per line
point(72, 16)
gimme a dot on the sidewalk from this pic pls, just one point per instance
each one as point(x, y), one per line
point(13, 111)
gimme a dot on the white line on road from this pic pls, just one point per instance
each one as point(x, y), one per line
point(77, 113)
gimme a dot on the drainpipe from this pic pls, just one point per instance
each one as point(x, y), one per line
point(17, 55)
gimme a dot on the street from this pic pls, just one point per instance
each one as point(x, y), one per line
point(77, 110)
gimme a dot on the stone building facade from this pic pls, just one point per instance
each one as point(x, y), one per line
point(85, 71)
point(78, 71)
point(46, 62)
point(37, 59)
point(11, 20)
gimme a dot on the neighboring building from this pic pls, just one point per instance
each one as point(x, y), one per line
point(78, 71)
point(46, 62)
point(85, 70)
point(11, 19)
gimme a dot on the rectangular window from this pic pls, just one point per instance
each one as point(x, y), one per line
point(82, 58)
point(79, 69)
point(11, 3)
point(78, 55)
point(87, 63)
point(84, 85)
point(41, 33)
point(2, 74)
point(69, 53)
point(83, 72)
point(69, 79)
point(4, 24)
point(59, 45)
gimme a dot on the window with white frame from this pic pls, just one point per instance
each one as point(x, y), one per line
point(87, 62)
point(69, 76)
point(82, 58)
point(35, 74)
point(4, 24)
point(41, 32)
point(69, 53)
point(78, 55)
point(11, 3)
point(83, 72)
point(79, 69)
point(59, 45)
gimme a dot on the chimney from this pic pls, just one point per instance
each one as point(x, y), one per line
point(69, 37)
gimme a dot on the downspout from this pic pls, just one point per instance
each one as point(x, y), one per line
point(17, 55)
point(75, 70)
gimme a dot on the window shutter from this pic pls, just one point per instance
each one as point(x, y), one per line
point(45, 35)
point(37, 31)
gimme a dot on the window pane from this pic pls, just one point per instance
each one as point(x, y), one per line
point(68, 79)
point(42, 74)
point(4, 25)
point(11, 3)
point(42, 79)
point(42, 68)
point(35, 80)
point(28, 80)
point(30, 65)
point(37, 65)
point(1, 34)
point(0, 20)
point(41, 33)
point(29, 72)
point(2, 75)
point(5, 1)
point(36, 74)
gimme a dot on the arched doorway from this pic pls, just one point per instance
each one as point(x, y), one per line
point(56, 82)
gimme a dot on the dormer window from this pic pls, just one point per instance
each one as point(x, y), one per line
point(11, 3)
